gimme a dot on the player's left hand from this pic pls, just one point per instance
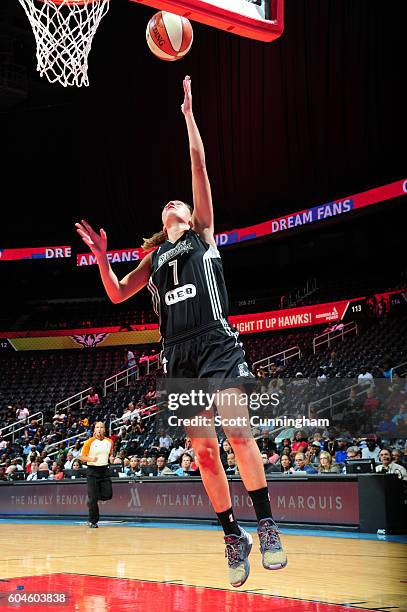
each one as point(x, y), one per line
point(186, 106)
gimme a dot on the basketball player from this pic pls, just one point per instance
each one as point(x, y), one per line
point(97, 452)
point(185, 277)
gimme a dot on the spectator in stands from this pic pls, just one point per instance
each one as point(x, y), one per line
point(317, 437)
point(176, 451)
point(395, 398)
point(76, 451)
point(371, 403)
point(326, 464)
point(313, 453)
point(76, 464)
point(162, 468)
point(18, 462)
point(69, 461)
point(44, 468)
point(331, 445)
point(231, 467)
point(386, 370)
point(285, 444)
point(274, 457)
point(130, 362)
point(302, 466)
point(387, 467)
point(10, 471)
point(92, 399)
point(138, 427)
point(57, 471)
point(268, 467)
point(33, 471)
point(134, 468)
point(286, 465)
point(300, 443)
point(33, 456)
point(3, 443)
point(151, 394)
point(299, 380)
point(386, 427)
point(396, 456)
point(372, 450)
point(322, 377)
point(353, 452)
point(185, 467)
point(365, 378)
point(22, 413)
point(399, 418)
point(341, 453)
point(165, 441)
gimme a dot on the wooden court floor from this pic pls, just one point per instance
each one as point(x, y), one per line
point(164, 564)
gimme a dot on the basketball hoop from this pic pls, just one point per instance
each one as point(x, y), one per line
point(64, 30)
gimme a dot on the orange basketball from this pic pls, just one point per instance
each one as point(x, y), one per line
point(169, 36)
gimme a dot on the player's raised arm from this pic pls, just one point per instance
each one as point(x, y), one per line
point(117, 290)
point(202, 217)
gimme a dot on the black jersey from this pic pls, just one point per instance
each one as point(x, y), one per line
point(188, 287)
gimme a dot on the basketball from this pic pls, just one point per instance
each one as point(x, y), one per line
point(169, 36)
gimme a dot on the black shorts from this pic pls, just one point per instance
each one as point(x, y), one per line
point(212, 360)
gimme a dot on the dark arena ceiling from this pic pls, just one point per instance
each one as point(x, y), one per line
point(314, 116)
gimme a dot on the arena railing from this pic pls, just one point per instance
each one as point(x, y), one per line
point(328, 336)
point(331, 399)
point(130, 373)
point(145, 413)
point(284, 355)
point(73, 400)
point(84, 434)
point(127, 375)
point(26, 421)
point(402, 367)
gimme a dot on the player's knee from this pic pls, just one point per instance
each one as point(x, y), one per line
point(207, 455)
point(238, 439)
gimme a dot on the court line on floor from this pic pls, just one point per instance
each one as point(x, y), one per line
point(204, 527)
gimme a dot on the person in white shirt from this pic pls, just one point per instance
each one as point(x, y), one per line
point(365, 378)
point(69, 460)
point(371, 450)
point(33, 473)
point(22, 413)
point(387, 467)
point(165, 440)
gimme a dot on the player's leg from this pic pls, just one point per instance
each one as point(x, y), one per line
point(238, 541)
point(236, 423)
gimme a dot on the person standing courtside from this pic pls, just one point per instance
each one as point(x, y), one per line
point(97, 452)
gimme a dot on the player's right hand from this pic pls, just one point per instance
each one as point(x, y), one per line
point(96, 242)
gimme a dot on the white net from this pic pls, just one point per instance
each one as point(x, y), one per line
point(63, 32)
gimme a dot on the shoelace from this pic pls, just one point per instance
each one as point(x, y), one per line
point(269, 539)
point(232, 553)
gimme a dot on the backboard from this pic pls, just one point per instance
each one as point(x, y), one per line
point(258, 19)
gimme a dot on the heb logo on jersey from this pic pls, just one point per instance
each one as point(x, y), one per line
point(180, 294)
point(182, 247)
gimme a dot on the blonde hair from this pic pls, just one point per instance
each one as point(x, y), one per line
point(159, 237)
point(154, 241)
point(329, 457)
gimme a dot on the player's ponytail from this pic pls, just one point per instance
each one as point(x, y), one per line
point(154, 241)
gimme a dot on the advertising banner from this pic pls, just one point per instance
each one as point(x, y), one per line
point(304, 501)
point(275, 320)
point(314, 214)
